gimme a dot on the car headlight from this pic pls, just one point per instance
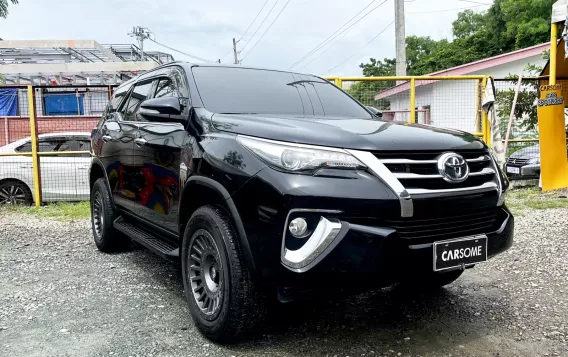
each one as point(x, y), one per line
point(297, 157)
point(534, 161)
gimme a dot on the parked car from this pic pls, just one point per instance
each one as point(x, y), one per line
point(524, 164)
point(269, 183)
point(63, 177)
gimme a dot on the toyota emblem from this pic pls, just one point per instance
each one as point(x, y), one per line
point(453, 167)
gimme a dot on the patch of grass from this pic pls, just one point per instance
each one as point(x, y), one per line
point(63, 211)
point(547, 203)
point(525, 192)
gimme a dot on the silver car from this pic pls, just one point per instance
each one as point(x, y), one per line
point(63, 177)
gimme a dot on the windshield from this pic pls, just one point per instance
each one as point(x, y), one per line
point(254, 91)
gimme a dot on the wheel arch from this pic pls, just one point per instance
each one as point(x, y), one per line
point(200, 191)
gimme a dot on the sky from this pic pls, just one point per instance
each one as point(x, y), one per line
point(206, 28)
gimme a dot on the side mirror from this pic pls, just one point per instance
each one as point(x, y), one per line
point(375, 111)
point(163, 106)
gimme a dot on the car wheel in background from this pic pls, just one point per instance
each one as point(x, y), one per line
point(221, 295)
point(14, 192)
point(103, 215)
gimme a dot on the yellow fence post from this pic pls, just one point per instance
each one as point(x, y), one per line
point(413, 100)
point(485, 125)
point(553, 45)
point(35, 156)
point(339, 82)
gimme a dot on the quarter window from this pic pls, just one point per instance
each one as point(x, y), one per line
point(166, 88)
point(138, 95)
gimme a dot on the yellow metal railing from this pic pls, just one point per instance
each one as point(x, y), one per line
point(481, 81)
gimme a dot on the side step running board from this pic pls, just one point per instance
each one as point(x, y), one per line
point(156, 244)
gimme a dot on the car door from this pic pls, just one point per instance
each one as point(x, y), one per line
point(118, 133)
point(157, 154)
point(58, 172)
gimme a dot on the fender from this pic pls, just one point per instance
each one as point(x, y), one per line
point(216, 186)
point(96, 161)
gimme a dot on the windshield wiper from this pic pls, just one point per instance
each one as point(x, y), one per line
point(305, 81)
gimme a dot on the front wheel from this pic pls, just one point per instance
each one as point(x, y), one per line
point(103, 214)
point(222, 298)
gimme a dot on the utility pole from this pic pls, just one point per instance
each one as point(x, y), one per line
point(400, 38)
point(141, 34)
point(235, 51)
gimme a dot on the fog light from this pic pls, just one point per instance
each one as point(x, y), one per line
point(298, 227)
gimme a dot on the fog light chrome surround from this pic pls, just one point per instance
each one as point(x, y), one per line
point(324, 237)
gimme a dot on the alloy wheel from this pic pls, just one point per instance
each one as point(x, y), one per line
point(98, 214)
point(205, 272)
point(12, 195)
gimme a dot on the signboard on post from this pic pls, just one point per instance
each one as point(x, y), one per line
point(553, 159)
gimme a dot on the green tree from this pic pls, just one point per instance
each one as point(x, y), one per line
point(467, 24)
point(506, 26)
point(365, 91)
point(4, 7)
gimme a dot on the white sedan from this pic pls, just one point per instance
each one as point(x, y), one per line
point(64, 177)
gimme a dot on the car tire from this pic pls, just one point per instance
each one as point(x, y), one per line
point(432, 280)
point(103, 214)
point(222, 297)
point(15, 192)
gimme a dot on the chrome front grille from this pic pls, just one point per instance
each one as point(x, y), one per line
point(516, 161)
point(419, 175)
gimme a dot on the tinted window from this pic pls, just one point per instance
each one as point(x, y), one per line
point(166, 88)
point(242, 90)
point(118, 96)
point(138, 95)
point(44, 145)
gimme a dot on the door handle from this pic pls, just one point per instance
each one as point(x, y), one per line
point(107, 138)
point(140, 141)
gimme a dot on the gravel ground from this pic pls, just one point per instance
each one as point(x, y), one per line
point(60, 297)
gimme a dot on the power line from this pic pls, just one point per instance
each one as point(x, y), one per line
point(272, 23)
point(339, 37)
point(445, 10)
point(183, 53)
point(248, 28)
point(343, 31)
point(259, 26)
point(324, 41)
point(474, 2)
point(367, 44)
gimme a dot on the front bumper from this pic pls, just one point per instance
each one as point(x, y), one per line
point(388, 252)
point(527, 172)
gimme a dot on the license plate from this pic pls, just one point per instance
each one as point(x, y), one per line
point(460, 252)
point(513, 170)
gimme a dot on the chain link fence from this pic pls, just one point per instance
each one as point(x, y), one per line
point(522, 150)
point(440, 102)
point(56, 122)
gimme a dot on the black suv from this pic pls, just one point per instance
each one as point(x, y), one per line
point(268, 183)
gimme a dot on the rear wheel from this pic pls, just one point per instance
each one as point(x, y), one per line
point(222, 298)
point(103, 214)
point(13, 192)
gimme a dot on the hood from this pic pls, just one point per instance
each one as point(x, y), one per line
point(527, 153)
point(348, 133)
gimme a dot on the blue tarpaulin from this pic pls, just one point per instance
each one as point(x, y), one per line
point(8, 101)
point(64, 104)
